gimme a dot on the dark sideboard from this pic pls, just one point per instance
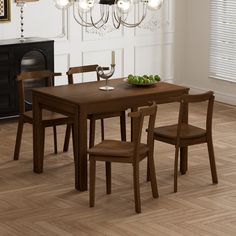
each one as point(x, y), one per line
point(15, 57)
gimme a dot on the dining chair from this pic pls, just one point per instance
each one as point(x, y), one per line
point(93, 117)
point(127, 152)
point(184, 134)
point(49, 118)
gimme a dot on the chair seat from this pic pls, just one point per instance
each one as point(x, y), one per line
point(48, 116)
point(116, 148)
point(187, 131)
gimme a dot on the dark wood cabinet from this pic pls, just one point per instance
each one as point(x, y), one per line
point(16, 56)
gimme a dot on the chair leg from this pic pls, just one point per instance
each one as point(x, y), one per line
point(108, 177)
point(73, 141)
point(18, 138)
point(136, 188)
point(92, 173)
point(102, 129)
point(183, 160)
point(92, 133)
point(67, 138)
point(55, 138)
point(123, 126)
point(176, 168)
point(148, 171)
point(152, 174)
point(212, 161)
point(43, 144)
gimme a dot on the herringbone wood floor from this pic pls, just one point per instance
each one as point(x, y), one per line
point(47, 204)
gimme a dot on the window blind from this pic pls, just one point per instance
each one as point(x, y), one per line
point(222, 61)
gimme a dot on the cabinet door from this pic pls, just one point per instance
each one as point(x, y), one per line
point(33, 57)
point(45, 48)
point(8, 105)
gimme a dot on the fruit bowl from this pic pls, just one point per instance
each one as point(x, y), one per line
point(143, 81)
point(141, 85)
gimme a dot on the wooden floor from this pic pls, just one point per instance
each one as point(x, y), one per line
point(48, 204)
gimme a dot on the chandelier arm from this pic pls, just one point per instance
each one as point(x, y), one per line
point(83, 22)
point(138, 23)
point(106, 15)
point(115, 20)
point(96, 24)
point(88, 24)
point(114, 14)
point(80, 21)
point(107, 18)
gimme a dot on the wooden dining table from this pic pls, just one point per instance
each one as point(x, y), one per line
point(79, 100)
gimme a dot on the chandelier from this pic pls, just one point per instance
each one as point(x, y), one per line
point(96, 13)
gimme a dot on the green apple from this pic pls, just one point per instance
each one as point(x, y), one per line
point(157, 77)
point(135, 80)
point(141, 80)
point(151, 77)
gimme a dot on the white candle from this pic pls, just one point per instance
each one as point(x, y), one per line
point(113, 57)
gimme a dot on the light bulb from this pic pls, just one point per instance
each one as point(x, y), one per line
point(85, 5)
point(155, 4)
point(62, 4)
point(124, 5)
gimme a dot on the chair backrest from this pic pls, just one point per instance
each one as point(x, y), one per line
point(186, 99)
point(44, 75)
point(82, 69)
point(138, 117)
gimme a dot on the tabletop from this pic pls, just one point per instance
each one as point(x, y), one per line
point(89, 93)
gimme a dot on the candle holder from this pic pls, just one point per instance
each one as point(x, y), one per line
point(101, 74)
point(21, 4)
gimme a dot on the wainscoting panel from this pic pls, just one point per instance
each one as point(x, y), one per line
point(148, 60)
point(62, 65)
point(102, 58)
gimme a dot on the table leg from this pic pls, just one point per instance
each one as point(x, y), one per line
point(132, 128)
point(38, 136)
point(184, 150)
point(80, 150)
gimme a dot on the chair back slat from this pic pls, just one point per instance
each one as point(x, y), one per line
point(36, 74)
point(192, 98)
point(210, 114)
point(33, 75)
point(82, 69)
point(138, 117)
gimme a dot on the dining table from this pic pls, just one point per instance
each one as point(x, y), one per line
point(79, 100)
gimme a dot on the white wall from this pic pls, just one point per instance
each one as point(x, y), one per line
point(146, 50)
point(181, 23)
point(192, 50)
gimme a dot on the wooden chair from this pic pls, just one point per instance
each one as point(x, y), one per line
point(94, 117)
point(127, 152)
point(49, 118)
point(183, 134)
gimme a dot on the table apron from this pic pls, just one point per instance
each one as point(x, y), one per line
point(125, 103)
point(57, 105)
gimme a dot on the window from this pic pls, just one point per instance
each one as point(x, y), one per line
point(223, 40)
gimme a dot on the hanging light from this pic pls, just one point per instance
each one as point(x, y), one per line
point(62, 4)
point(84, 11)
point(155, 4)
